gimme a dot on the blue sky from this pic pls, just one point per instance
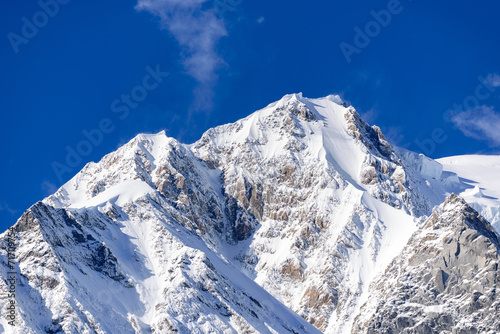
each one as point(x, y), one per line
point(110, 70)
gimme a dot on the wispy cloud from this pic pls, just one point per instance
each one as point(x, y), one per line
point(395, 136)
point(482, 123)
point(197, 29)
point(48, 188)
point(493, 80)
point(5, 207)
point(370, 116)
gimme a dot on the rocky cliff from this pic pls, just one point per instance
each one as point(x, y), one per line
point(299, 218)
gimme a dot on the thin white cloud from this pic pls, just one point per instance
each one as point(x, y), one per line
point(482, 123)
point(48, 188)
point(493, 80)
point(395, 136)
point(197, 29)
point(370, 116)
point(5, 207)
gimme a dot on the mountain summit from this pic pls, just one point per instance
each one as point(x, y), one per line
point(299, 218)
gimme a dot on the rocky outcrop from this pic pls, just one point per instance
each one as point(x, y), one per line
point(445, 281)
point(298, 207)
point(386, 175)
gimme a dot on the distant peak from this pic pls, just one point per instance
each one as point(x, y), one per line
point(476, 192)
point(294, 96)
point(295, 105)
point(151, 138)
point(336, 99)
point(457, 214)
point(453, 200)
point(299, 97)
point(286, 100)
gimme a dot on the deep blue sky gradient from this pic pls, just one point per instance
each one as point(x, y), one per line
point(64, 79)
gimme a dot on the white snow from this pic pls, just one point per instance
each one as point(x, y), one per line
point(152, 245)
point(479, 183)
point(120, 194)
point(426, 166)
point(338, 146)
point(364, 268)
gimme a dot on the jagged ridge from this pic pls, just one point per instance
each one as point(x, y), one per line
point(301, 205)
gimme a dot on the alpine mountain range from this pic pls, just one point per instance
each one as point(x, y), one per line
point(300, 218)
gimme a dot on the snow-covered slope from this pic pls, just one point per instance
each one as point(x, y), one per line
point(332, 200)
point(445, 280)
point(474, 177)
point(277, 223)
point(133, 245)
point(480, 183)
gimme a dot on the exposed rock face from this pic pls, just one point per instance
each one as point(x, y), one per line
point(277, 223)
point(278, 165)
point(77, 284)
point(388, 177)
point(445, 281)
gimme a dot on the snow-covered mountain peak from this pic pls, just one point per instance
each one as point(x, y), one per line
point(478, 184)
point(337, 99)
point(291, 98)
point(450, 212)
point(133, 163)
point(320, 132)
point(295, 123)
point(455, 213)
point(286, 99)
point(293, 212)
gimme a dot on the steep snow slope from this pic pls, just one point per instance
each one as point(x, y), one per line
point(474, 177)
point(83, 271)
point(300, 207)
point(445, 280)
point(480, 183)
point(332, 201)
point(132, 244)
